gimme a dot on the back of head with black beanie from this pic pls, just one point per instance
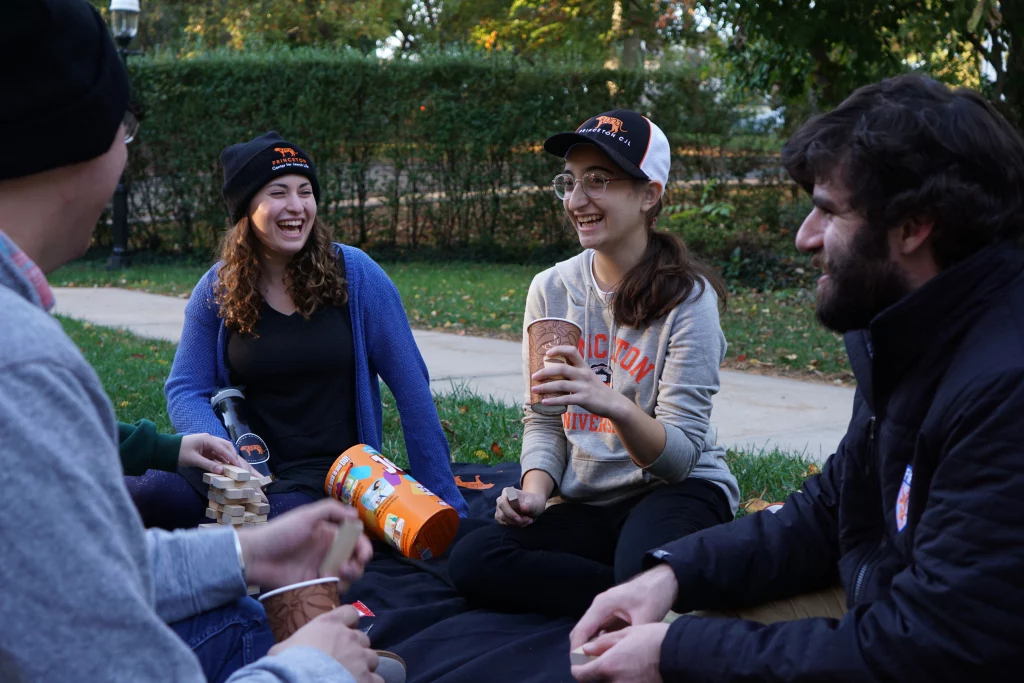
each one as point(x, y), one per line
point(65, 89)
point(248, 166)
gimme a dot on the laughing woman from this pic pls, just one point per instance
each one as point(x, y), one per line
point(306, 326)
point(634, 462)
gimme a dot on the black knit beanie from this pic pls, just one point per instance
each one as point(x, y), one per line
point(248, 166)
point(65, 89)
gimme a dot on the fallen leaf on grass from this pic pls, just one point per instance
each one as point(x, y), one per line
point(755, 505)
point(812, 469)
point(463, 409)
point(480, 454)
point(137, 355)
point(496, 450)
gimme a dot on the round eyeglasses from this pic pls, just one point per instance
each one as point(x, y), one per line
point(593, 184)
point(131, 126)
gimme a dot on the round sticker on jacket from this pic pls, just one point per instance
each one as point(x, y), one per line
point(903, 499)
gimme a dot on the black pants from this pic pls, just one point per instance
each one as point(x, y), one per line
point(574, 551)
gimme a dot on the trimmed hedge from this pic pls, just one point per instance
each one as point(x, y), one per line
point(441, 153)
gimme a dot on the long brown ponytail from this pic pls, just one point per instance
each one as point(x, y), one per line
point(663, 279)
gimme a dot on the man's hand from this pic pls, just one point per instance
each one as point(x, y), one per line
point(208, 453)
point(644, 600)
point(632, 655)
point(291, 548)
point(521, 512)
point(335, 634)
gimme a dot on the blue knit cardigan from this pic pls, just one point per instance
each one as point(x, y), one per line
point(384, 346)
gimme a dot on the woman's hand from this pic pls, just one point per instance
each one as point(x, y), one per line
point(521, 511)
point(208, 453)
point(292, 547)
point(585, 388)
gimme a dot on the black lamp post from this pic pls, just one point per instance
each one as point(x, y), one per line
point(124, 24)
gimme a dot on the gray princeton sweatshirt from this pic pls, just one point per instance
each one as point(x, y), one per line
point(669, 369)
point(85, 592)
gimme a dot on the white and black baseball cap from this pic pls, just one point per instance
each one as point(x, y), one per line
point(633, 142)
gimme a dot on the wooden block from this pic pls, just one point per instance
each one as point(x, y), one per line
point(577, 658)
point(212, 514)
point(236, 473)
point(233, 510)
point(214, 505)
point(257, 508)
point(228, 519)
point(252, 590)
point(513, 499)
point(238, 494)
point(252, 518)
point(211, 525)
point(261, 496)
point(263, 481)
point(218, 481)
point(216, 497)
point(345, 539)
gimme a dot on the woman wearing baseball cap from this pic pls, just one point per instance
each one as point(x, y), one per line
point(633, 463)
point(306, 326)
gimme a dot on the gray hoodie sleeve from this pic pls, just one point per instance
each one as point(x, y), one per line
point(294, 665)
point(193, 571)
point(696, 349)
point(75, 569)
point(544, 444)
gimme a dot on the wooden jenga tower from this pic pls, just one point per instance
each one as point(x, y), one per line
point(236, 498)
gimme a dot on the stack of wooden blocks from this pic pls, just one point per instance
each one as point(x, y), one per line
point(236, 497)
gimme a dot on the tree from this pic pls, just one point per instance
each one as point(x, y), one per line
point(812, 53)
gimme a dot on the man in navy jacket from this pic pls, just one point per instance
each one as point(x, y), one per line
point(918, 226)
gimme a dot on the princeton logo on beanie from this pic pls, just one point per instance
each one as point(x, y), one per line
point(633, 142)
point(248, 166)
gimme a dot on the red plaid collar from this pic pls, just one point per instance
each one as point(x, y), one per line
point(28, 270)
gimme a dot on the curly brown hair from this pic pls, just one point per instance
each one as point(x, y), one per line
point(312, 277)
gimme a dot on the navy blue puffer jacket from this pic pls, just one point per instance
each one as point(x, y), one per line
point(920, 512)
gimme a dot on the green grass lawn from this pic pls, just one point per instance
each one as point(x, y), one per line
point(133, 371)
point(773, 332)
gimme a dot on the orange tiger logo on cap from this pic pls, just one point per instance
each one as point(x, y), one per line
point(612, 122)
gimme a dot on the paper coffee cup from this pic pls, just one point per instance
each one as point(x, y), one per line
point(543, 334)
point(393, 506)
point(292, 607)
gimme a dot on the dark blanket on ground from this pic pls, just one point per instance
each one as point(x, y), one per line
point(418, 614)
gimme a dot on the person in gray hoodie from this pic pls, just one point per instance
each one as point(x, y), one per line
point(86, 593)
point(633, 463)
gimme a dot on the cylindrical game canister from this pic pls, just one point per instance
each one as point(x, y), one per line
point(396, 507)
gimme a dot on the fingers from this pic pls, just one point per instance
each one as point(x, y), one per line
point(219, 449)
point(373, 660)
point(349, 616)
point(208, 465)
point(328, 510)
point(556, 386)
point(570, 353)
point(604, 642)
point(504, 507)
point(602, 616)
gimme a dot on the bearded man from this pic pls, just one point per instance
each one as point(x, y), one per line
point(904, 559)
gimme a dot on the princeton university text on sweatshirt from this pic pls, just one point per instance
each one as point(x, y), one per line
point(669, 369)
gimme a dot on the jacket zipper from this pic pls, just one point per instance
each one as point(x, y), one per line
point(868, 468)
point(870, 560)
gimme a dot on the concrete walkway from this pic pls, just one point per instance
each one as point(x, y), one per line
point(751, 411)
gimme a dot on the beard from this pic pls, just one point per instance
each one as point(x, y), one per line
point(862, 282)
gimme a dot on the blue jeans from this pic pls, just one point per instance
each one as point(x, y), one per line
point(227, 638)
